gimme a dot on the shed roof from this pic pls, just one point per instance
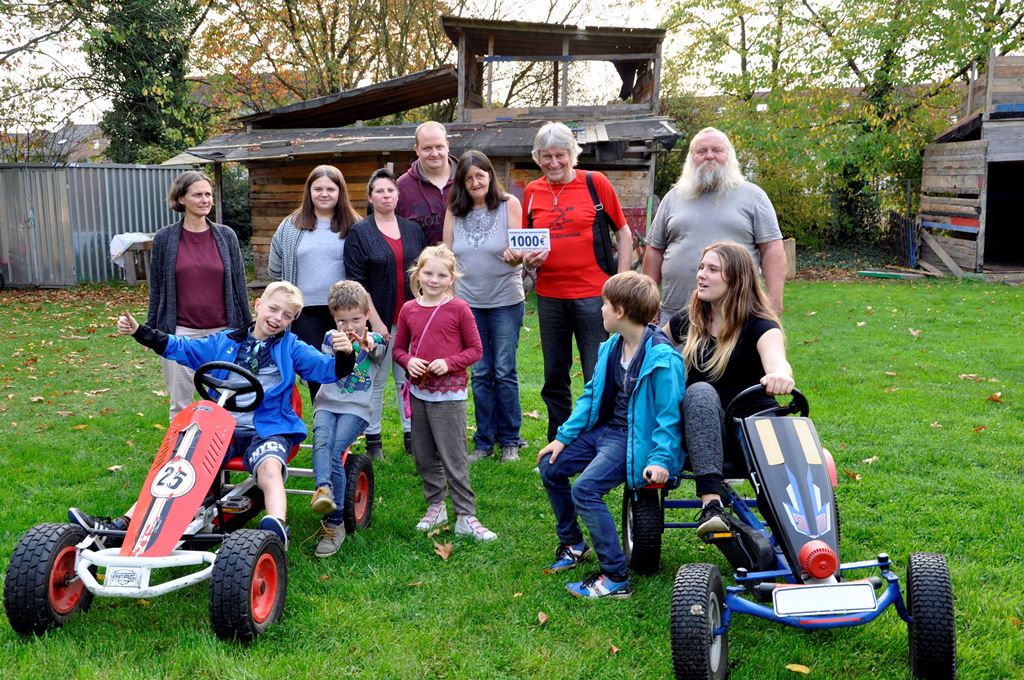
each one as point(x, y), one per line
point(607, 140)
point(525, 38)
point(362, 103)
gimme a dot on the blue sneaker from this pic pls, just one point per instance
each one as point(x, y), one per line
point(568, 556)
point(600, 585)
point(276, 526)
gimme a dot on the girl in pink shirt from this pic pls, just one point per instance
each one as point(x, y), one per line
point(436, 340)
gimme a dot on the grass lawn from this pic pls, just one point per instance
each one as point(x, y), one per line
point(914, 387)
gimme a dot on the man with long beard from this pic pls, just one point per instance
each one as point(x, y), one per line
point(711, 201)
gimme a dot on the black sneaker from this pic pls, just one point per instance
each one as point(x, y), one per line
point(374, 447)
point(277, 527)
point(90, 523)
point(712, 518)
point(407, 439)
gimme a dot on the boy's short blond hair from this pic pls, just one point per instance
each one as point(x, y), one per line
point(290, 292)
point(635, 294)
point(346, 295)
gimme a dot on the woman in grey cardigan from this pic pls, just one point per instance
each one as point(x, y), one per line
point(308, 250)
point(191, 258)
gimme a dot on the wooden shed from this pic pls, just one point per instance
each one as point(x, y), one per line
point(972, 178)
point(281, 146)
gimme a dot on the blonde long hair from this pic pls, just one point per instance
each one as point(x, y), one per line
point(744, 298)
point(439, 252)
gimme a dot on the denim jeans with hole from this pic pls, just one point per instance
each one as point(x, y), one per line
point(332, 434)
point(559, 321)
point(599, 456)
point(495, 378)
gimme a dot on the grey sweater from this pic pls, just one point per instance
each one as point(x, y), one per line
point(283, 247)
point(163, 295)
point(351, 394)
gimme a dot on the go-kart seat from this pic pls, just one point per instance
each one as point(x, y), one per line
point(235, 464)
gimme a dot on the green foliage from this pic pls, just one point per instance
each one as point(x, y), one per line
point(138, 53)
point(826, 101)
point(236, 201)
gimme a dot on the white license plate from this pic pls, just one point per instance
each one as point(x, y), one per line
point(123, 577)
point(834, 598)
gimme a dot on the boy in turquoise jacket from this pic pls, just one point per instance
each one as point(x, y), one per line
point(625, 427)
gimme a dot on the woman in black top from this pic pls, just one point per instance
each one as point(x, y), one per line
point(378, 253)
point(731, 340)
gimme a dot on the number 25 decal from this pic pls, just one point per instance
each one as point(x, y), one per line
point(176, 479)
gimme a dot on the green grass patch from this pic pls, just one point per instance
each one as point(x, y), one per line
point(902, 374)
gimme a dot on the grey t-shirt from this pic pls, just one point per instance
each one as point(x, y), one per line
point(478, 241)
point(319, 263)
point(683, 228)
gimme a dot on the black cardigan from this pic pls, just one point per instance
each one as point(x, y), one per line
point(370, 261)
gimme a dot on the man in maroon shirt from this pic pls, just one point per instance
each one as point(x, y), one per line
point(423, 189)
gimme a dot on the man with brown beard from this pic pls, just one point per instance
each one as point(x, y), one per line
point(711, 201)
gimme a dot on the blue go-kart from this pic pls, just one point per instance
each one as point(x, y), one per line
point(786, 555)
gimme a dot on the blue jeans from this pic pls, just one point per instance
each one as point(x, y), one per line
point(332, 434)
point(495, 379)
point(600, 456)
point(559, 321)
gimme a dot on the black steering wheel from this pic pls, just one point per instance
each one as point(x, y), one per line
point(797, 405)
point(240, 381)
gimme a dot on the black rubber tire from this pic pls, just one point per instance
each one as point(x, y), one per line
point(839, 524)
point(697, 603)
point(643, 522)
point(932, 635)
point(359, 490)
point(244, 562)
point(28, 597)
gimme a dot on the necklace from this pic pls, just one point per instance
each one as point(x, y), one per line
point(553, 194)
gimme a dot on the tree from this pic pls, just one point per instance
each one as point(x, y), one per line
point(825, 99)
point(138, 52)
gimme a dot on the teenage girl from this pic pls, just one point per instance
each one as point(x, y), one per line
point(436, 340)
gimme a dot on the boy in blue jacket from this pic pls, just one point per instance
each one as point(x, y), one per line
point(626, 426)
point(275, 355)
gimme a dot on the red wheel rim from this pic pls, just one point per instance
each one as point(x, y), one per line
point(264, 588)
point(65, 587)
point(361, 497)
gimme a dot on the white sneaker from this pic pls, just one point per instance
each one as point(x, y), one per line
point(435, 517)
point(468, 525)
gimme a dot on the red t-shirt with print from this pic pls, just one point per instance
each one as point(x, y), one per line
point(571, 271)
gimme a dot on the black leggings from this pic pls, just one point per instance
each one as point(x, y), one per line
point(311, 326)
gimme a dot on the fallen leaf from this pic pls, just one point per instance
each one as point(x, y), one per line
point(916, 332)
point(436, 530)
point(416, 584)
point(140, 414)
point(860, 324)
point(144, 603)
point(325, 577)
point(997, 397)
point(36, 399)
point(855, 476)
point(94, 393)
point(1016, 622)
point(890, 390)
point(531, 414)
point(160, 393)
point(65, 414)
point(973, 377)
point(891, 374)
point(115, 468)
point(936, 425)
point(613, 650)
point(514, 595)
point(443, 550)
point(76, 427)
point(798, 668)
point(810, 313)
point(159, 426)
point(981, 428)
point(542, 618)
point(870, 461)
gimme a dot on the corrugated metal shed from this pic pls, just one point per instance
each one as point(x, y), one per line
point(362, 103)
point(524, 38)
point(56, 223)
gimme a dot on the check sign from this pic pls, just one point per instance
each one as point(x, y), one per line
point(529, 239)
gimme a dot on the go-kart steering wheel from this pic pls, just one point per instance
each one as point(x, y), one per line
point(797, 405)
point(242, 383)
